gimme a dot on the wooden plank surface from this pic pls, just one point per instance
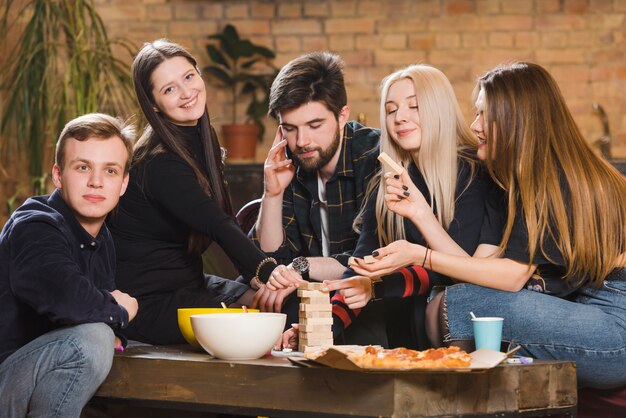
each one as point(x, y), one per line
point(178, 378)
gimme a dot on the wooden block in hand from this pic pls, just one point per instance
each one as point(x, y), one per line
point(369, 259)
point(389, 164)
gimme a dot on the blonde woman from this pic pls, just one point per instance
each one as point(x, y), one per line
point(438, 201)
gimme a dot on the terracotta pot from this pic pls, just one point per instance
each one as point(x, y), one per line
point(240, 140)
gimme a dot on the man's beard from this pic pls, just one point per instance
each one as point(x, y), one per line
point(314, 164)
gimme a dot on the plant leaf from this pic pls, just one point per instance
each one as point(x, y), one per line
point(250, 63)
point(216, 56)
point(220, 74)
point(263, 51)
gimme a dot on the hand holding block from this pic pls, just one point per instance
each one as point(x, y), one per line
point(389, 164)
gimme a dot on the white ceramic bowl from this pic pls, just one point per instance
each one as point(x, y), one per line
point(238, 336)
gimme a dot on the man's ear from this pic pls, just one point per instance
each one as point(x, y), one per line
point(56, 176)
point(344, 116)
point(124, 184)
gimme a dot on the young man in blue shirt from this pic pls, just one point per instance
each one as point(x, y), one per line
point(60, 312)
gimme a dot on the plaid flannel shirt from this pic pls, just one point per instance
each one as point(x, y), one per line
point(345, 191)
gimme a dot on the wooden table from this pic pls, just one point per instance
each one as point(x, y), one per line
point(177, 378)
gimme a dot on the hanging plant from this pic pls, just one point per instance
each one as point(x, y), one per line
point(60, 67)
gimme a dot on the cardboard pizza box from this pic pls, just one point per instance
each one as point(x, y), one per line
point(336, 357)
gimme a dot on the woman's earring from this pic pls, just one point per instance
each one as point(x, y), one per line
point(155, 109)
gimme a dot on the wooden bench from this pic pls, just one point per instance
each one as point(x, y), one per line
point(177, 378)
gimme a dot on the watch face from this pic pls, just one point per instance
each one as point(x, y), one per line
point(301, 264)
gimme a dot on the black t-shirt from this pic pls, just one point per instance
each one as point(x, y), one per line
point(550, 273)
point(494, 218)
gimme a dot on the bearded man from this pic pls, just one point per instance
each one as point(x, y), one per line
point(315, 176)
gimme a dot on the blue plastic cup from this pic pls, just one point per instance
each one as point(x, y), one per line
point(488, 332)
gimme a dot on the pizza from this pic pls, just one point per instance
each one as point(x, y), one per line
point(404, 358)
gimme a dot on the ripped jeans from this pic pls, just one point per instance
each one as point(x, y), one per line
point(590, 330)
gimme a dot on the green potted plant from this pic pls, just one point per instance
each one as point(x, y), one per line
point(59, 64)
point(246, 70)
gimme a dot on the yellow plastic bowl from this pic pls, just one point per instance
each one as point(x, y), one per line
point(184, 321)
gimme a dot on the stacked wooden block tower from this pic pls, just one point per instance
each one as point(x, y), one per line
point(316, 317)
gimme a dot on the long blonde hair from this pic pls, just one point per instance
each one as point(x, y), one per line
point(541, 159)
point(445, 138)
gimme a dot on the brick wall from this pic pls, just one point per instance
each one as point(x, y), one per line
point(582, 42)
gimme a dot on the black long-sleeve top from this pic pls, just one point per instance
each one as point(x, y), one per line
point(53, 273)
point(465, 229)
point(162, 204)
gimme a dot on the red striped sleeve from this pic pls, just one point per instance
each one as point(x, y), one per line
point(408, 282)
point(422, 276)
point(341, 310)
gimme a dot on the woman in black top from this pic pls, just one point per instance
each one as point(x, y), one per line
point(437, 201)
point(176, 203)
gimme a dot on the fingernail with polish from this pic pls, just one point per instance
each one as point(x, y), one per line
point(397, 176)
point(407, 194)
point(400, 197)
point(405, 187)
point(375, 253)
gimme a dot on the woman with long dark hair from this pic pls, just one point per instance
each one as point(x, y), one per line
point(177, 202)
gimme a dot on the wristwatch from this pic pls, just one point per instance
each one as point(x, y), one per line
point(301, 265)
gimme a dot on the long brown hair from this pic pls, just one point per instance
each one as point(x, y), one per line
point(537, 153)
point(161, 135)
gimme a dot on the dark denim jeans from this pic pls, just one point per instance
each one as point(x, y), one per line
point(590, 330)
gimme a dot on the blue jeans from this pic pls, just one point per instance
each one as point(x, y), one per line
point(590, 330)
point(57, 373)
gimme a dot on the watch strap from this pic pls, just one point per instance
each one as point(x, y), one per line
point(378, 289)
